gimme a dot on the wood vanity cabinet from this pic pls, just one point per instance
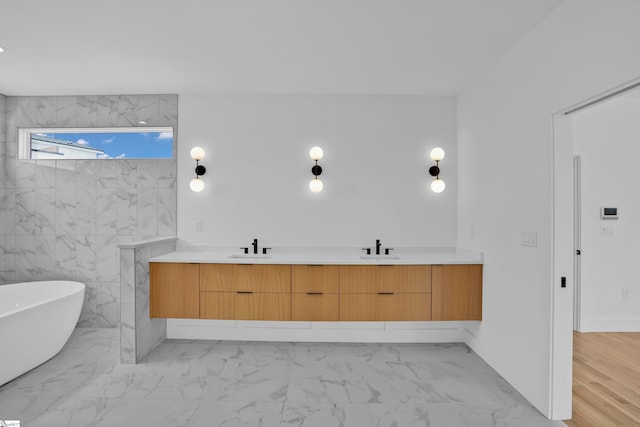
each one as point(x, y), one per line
point(245, 291)
point(385, 292)
point(174, 290)
point(315, 292)
point(457, 292)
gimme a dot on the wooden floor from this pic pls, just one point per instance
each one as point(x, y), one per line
point(606, 379)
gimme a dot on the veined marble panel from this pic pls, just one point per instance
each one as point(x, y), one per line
point(46, 257)
point(26, 174)
point(86, 203)
point(128, 110)
point(25, 207)
point(8, 211)
point(45, 173)
point(45, 212)
point(65, 174)
point(107, 173)
point(108, 304)
point(66, 111)
point(46, 111)
point(107, 211)
point(127, 174)
point(87, 111)
point(107, 111)
point(148, 211)
point(65, 211)
point(127, 211)
point(65, 253)
point(167, 212)
point(86, 256)
point(86, 173)
point(27, 107)
point(149, 110)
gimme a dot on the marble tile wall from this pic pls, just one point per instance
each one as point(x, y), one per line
point(139, 334)
point(64, 219)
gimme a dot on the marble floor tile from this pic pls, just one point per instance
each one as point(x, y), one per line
point(319, 415)
point(148, 413)
point(74, 412)
point(198, 383)
point(237, 414)
point(416, 414)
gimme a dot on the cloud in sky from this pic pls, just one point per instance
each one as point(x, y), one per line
point(109, 140)
point(121, 156)
point(82, 142)
point(165, 135)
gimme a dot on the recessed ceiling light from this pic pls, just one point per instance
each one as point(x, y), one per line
point(142, 122)
point(1, 49)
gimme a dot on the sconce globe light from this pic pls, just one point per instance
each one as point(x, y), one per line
point(437, 185)
point(437, 154)
point(315, 185)
point(316, 153)
point(196, 184)
point(197, 153)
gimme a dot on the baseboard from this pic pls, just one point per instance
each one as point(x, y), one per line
point(610, 325)
point(364, 332)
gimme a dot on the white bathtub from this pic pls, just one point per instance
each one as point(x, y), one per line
point(36, 320)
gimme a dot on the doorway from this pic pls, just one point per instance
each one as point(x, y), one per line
point(580, 228)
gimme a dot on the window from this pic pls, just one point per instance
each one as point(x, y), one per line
point(96, 143)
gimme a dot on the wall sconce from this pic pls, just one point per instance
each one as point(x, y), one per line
point(437, 185)
point(196, 184)
point(315, 185)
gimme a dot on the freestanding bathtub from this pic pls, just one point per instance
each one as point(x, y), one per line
point(36, 320)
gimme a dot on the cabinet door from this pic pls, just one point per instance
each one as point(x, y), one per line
point(245, 277)
point(314, 306)
point(457, 292)
point(355, 279)
point(315, 278)
point(385, 307)
point(174, 290)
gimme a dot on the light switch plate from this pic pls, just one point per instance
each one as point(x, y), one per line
point(529, 238)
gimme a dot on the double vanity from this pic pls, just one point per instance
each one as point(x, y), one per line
point(317, 284)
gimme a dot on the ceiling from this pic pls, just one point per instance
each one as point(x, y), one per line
point(435, 47)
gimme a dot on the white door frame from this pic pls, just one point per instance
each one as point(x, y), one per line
point(577, 240)
point(562, 262)
point(563, 255)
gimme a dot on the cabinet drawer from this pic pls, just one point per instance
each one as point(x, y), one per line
point(245, 306)
point(386, 307)
point(320, 307)
point(382, 278)
point(315, 278)
point(173, 290)
point(245, 277)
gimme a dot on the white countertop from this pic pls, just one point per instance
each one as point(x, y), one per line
point(308, 255)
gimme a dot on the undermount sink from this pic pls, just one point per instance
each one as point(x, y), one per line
point(250, 256)
point(379, 256)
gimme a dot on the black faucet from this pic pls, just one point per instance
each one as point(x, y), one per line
point(255, 246)
point(378, 244)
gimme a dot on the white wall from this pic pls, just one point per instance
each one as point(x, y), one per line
point(506, 185)
point(376, 184)
point(607, 137)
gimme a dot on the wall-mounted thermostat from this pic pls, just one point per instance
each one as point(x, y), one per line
point(608, 213)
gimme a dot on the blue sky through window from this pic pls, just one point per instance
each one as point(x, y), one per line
point(123, 145)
